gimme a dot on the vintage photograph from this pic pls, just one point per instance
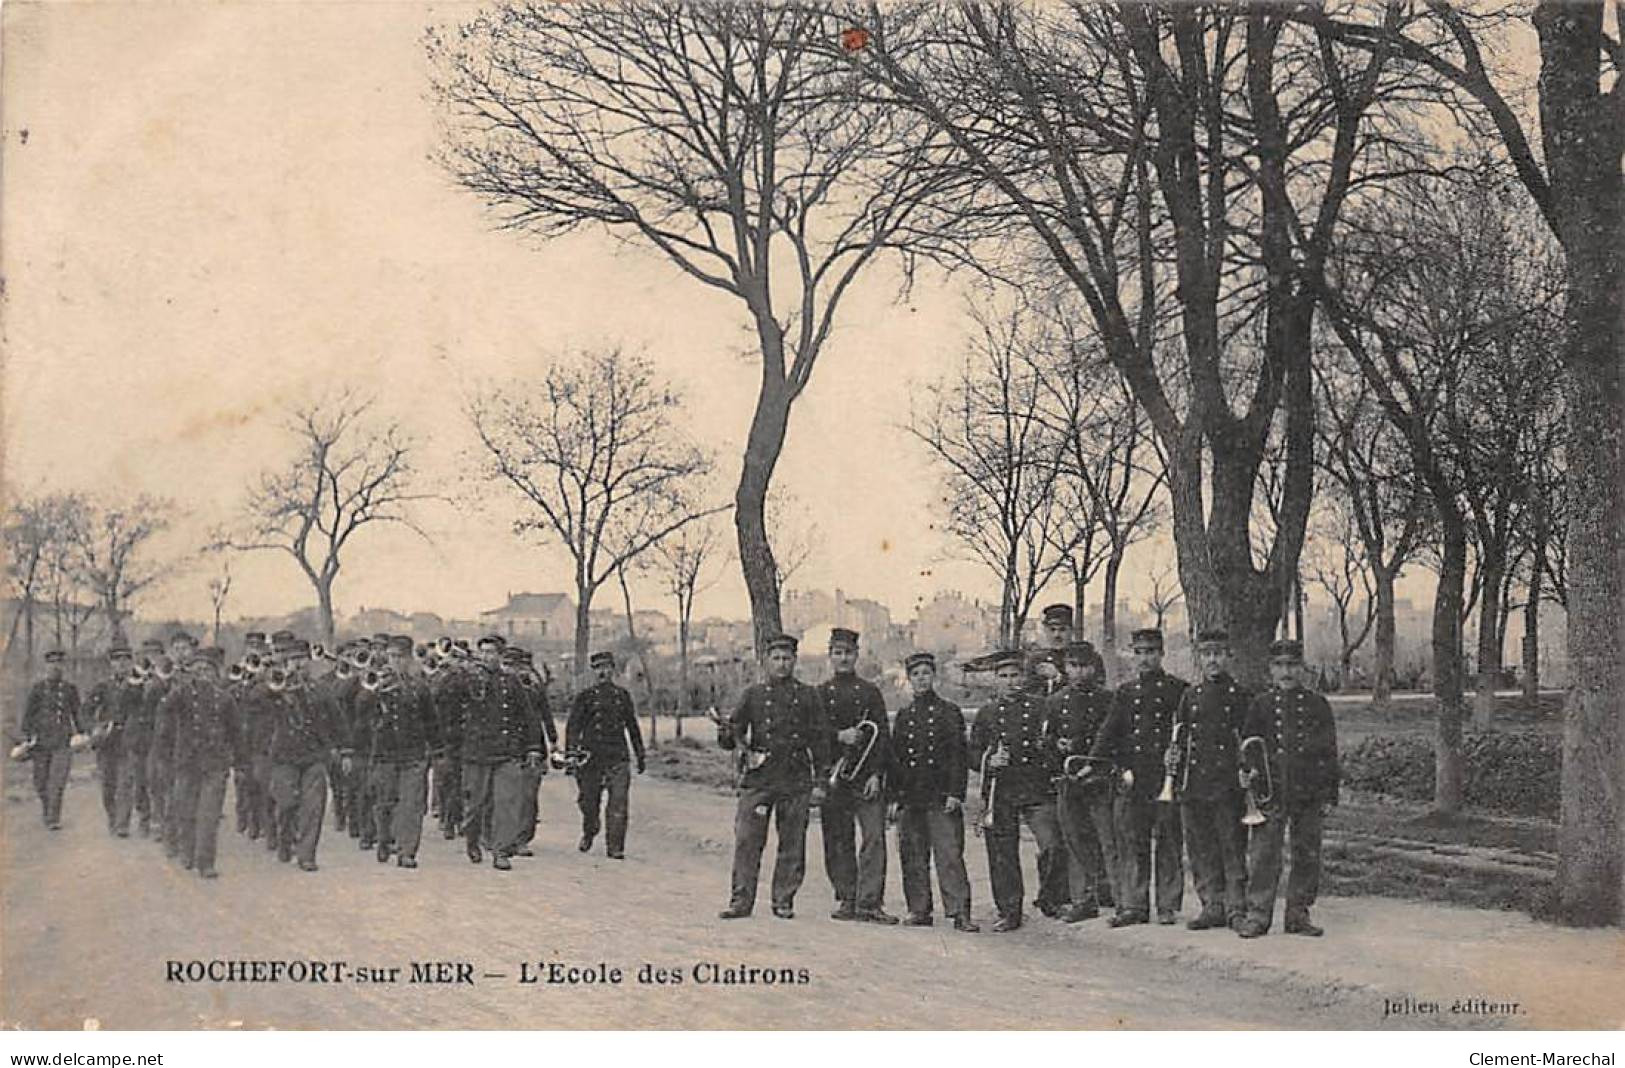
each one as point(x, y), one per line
point(695, 515)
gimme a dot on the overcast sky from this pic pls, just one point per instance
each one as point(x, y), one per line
point(213, 210)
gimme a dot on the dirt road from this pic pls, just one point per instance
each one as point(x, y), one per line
point(91, 922)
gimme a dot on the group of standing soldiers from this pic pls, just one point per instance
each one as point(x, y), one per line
point(388, 719)
point(1117, 787)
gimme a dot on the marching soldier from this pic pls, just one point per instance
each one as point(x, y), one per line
point(928, 769)
point(161, 758)
point(533, 689)
point(785, 761)
point(358, 815)
point(448, 691)
point(303, 734)
point(1020, 769)
point(502, 741)
point(1300, 738)
point(1134, 738)
point(1083, 804)
point(401, 725)
point(1045, 663)
point(1204, 762)
point(133, 798)
point(109, 707)
point(858, 878)
point(602, 722)
point(206, 747)
point(51, 725)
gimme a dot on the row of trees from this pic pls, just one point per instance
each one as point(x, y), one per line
point(1195, 175)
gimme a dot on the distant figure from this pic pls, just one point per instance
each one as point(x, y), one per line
point(602, 724)
point(51, 726)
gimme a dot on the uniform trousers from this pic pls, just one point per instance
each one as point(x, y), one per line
point(1091, 842)
point(1149, 831)
point(448, 790)
point(107, 767)
point(1264, 863)
point(358, 802)
point(1003, 842)
point(926, 834)
point(262, 816)
point(857, 874)
point(1217, 844)
point(51, 767)
point(494, 791)
point(531, 799)
point(592, 783)
point(300, 794)
point(787, 805)
point(341, 797)
point(198, 804)
point(399, 793)
point(159, 780)
point(132, 790)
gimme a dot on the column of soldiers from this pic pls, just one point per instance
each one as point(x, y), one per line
point(1117, 788)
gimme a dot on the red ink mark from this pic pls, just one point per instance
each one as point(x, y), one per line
point(854, 38)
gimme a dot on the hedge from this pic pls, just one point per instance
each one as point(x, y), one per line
point(1511, 772)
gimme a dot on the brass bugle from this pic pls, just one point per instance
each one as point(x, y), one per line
point(1086, 770)
point(572, 759)
point(371, 681)
point(1254, 755)
point(235, 673)
point(277, 680)
point(855, 757)
point(444, 646)
point(1171, 759)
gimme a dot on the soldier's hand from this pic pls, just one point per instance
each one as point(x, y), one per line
point(1064, 744)
point(818, 795)
point(1128, 776)
point(999, 759)
point(892, 811)
point(952, 805)
point(1244, 777)
point(847, 736)
point(640, 765)
point(871, 788)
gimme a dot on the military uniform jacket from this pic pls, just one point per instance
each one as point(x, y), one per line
point(501, 723)
point(1135, 734)
point(602, 719)
point(1018, 719)
point(847, 700)
point(302, 727)
point(535, 692)
point(929, 762)
point(175, 712)
point(1211, 713)
point(52, 715)
point(213, 736)
point(1076, 715)
point(448, 691)
point(399, 722)
point(1301, 736)
point(256, 707)
point(784, 719)
point(112, 704)
point(163, 726)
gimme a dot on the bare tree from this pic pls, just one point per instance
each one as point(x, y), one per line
point(39, 534)
point(348, 472)
point(688, 558)
point(1149, 151)
point(1338, 563)
point(1165, 593)
point(716, 134)
point(1574, 180)
point(794, 532)
point(596, 450)
point(984, 428)
point(219, 590)
point(114, 553)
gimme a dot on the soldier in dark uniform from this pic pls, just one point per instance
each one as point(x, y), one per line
point(448, 691)
point(502, 741)
point(785, 762)
point(208, 737)
point(161, 759)
point(358, 815)
point(858, 878)
point(108, 707)
point(1083, 806)
point(1300, 737)
point(1009, 732)
point(926, 781)
point(51, 724)
point(522, 666)
point(1210, 719)
point(132, 786)
point(302, 738)
point(1135, 738)
point(401, 725)
point(602, 721)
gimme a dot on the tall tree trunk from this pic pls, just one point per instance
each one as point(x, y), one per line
point(762, 447)
point(324, 609)
point(1531, 633)
point(1447, 673)
point(643, 661)
point(1382, 680)
point(684, 699)
point(1108, 611)
point(1580, 130)
point(578, 670)
point(1080, 605)
point(1489, 644)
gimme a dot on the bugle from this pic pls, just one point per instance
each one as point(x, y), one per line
point(235, 673)
point(990, 789)
point(1172, 758)
point(570, 760)
point(854, 759)
point(1254, 757)
point(1087, 772)
point(277, 680)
